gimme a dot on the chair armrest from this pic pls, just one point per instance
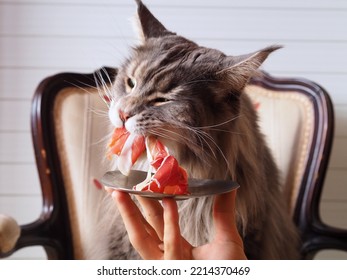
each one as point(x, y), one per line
point(322, 237)
point(9, 233)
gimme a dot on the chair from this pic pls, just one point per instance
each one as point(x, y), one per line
point(68, 130)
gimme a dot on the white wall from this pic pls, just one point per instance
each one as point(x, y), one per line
point(42, 37)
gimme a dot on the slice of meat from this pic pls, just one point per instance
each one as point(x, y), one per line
point(137, 148)
point(169, 176)
point(119, 136)
point(128, 147)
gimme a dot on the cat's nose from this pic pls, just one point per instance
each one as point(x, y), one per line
point(124, 116)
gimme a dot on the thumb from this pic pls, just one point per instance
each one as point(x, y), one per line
point(224, 217)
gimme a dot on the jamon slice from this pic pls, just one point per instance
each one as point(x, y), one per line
point(119, 136)
point(128, 147)
point(169, 176)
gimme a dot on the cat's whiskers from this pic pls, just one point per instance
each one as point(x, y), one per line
point(204, 138)
point(213, 127)
point(168, 134)
point(203, 134)
point(83, 88)
point(218, 124)
point(178, 137)
point(98, 112)
point(104, 139)
point(104, 87)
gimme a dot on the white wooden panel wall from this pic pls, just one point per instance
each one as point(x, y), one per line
point(42, 37)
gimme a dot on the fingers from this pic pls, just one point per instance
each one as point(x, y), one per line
point(158, 237)
point(224, 216)
point(140, 233)
point(172, 235)
point(153, 213)
point(165, 220)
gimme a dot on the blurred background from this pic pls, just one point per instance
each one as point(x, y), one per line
point(39, 38)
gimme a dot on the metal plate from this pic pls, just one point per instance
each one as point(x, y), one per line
point(196, 187)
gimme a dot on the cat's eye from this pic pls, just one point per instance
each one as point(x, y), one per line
point(160, 101)
point(131, 82)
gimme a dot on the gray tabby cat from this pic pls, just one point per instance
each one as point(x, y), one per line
point(191, 98)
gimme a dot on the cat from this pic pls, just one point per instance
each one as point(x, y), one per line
point(191, 97)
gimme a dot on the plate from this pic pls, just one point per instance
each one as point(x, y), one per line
point(196, 187)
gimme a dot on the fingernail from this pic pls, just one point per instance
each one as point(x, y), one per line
point(113, 194)
point(108, 190)
point(161, 246)
point(164, 203)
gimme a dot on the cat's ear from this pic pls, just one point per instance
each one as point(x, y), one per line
point(149, 26)
point(237, 70)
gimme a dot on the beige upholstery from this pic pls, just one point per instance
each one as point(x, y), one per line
point(81, 125)
point(287, 122)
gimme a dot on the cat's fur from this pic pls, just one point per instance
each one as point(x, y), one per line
point(191, 97)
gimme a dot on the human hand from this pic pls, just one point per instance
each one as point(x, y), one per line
point(155, 234)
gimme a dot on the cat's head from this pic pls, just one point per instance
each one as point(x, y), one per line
point(175, 89)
